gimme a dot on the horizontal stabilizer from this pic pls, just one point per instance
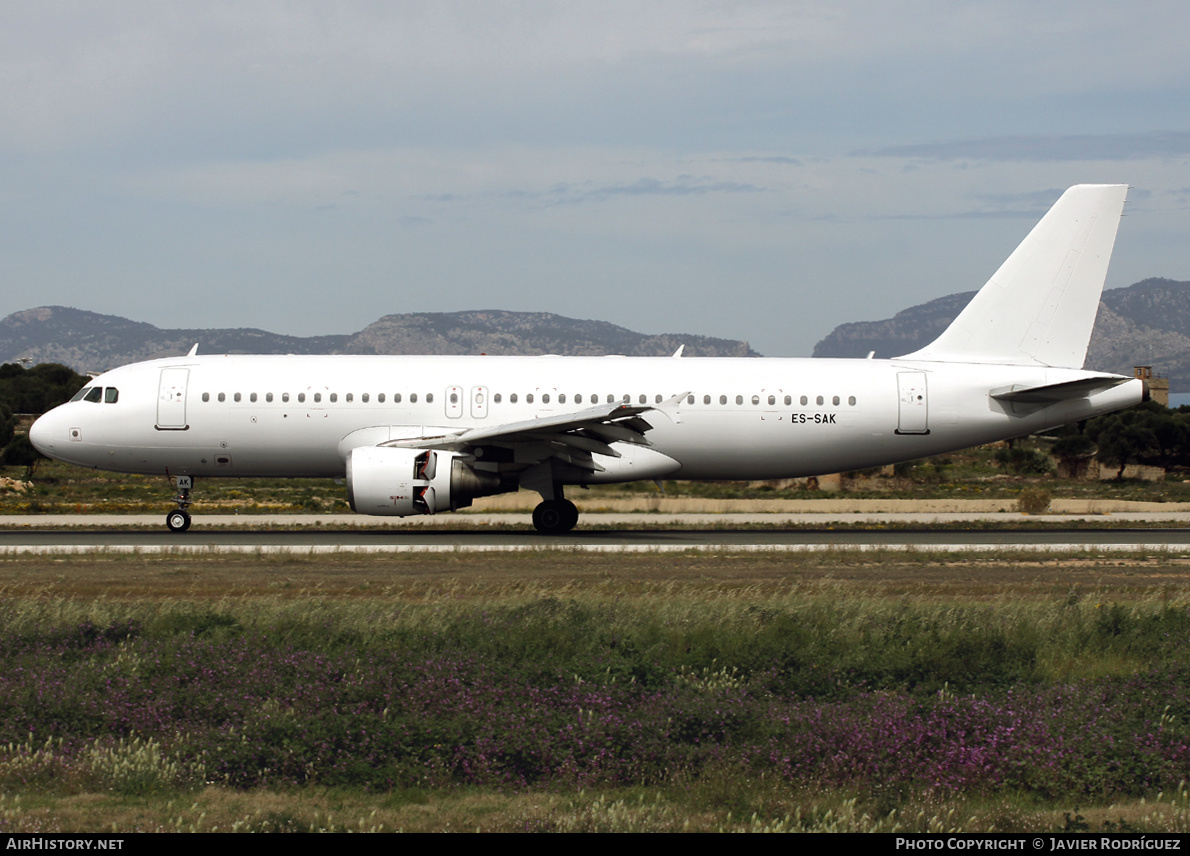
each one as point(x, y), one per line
point(1052, 392)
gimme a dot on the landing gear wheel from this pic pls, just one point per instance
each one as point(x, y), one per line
point(555, 516)
point(571, 513)
point(178, 520)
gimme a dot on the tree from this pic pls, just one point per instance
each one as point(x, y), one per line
point(22, 453)
point(1123, 438)
point(38, 389)
point(1073, 451)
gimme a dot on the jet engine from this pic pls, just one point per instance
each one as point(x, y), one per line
point(382, 480)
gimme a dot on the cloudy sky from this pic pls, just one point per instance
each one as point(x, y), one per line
point(753, 170)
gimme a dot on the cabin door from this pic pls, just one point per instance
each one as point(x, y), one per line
point(913, 415)
point(171, 399)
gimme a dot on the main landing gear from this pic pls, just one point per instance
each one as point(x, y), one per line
point(178, 520)
point(555, 516)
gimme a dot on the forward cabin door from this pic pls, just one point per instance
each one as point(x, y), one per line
point(171, 400)
point(914, 406)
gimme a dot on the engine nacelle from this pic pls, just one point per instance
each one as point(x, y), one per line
point(382, 480)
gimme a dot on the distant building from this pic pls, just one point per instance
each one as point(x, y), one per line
point(1158, 384)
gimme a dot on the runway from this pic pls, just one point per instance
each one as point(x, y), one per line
point(315, 536)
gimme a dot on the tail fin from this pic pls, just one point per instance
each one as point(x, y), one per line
point(1040, 306)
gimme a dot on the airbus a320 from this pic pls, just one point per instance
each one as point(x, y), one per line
point(423, 435)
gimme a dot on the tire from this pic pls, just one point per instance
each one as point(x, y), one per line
point(571, 512)
point(555, 517)
point(178, 520)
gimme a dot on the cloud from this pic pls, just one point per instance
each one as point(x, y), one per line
point(683, 185)
point(1046, 148)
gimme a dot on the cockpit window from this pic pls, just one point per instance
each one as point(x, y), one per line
point(111, 395)
point(78, 396)
point(94, 394)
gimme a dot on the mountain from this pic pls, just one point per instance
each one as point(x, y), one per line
point(88, 341)
point(496, 332)
point(905, 332)
point(1147, 323)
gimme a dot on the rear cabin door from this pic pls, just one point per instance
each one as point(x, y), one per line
point(913, 416)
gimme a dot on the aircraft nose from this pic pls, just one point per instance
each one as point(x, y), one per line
point(41, 434)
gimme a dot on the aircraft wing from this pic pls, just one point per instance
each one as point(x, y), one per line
point(571, 437)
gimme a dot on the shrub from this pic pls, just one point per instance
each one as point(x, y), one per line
point(1034, 501)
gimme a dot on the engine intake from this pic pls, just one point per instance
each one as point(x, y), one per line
point(401, 482)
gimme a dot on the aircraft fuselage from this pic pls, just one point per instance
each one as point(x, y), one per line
point(246, 416)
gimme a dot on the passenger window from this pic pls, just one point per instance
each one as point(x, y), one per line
point(94, 395)
point(512, 398)
point(851, 400)
point(756, 399)
point(223, 396)
point(529, 398)
point(804, 400)
point(429, 398)
point(206, 396)
point(690, 399)
point(268, 396)
point(545, 399)
point(706, 399)
point(818, 400)
point(318, 398)
point(772, 399)
point(334, 397)
point(454, 398)
point(301, 398)
point(252, 397)
point(497, 398)
point(789, 399)
point(413, 398)
point(578, 398)
point(643, 398)
point(237, 396)
point(562, 398)
point(396, 398)
point(285, 397)
point(611, 399)
point(739, 399)
point(723, 399)
point(657, 399)
point(380, 398)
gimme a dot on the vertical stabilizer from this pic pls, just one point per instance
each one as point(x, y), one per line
point(1040, 306)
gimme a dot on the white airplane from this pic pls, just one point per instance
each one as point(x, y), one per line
point(420, 435)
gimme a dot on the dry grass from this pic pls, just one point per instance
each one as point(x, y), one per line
point(463, 575)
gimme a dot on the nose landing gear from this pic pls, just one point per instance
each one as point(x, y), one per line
point(178, 520)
